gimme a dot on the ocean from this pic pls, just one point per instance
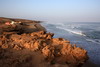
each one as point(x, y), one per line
point(85, 35)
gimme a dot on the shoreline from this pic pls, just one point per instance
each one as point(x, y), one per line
point(56, 51)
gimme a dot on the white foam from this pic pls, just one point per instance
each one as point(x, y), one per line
point(73, 31)
point(77, 32)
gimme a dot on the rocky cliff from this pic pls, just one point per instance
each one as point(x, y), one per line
point(38, 49)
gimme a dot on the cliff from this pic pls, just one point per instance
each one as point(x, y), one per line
point(38, 49)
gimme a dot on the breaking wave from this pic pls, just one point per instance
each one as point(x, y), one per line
point(73, 31)
point(90, 31)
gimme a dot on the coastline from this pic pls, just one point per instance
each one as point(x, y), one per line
point(56, 51)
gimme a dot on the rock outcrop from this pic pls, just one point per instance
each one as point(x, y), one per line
point(38, 49)
point(54, 50)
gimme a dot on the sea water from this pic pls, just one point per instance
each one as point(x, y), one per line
point(85, 35)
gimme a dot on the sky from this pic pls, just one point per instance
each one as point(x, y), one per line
point(52, 10)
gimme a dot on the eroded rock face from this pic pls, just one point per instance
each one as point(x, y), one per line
point(55, 50)
point(28, 45)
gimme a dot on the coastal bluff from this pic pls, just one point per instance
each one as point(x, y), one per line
point(25, 43)
point(20, 25)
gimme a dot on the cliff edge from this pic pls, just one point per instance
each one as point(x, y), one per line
point(37, 49)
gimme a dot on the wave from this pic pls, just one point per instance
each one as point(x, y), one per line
point(94, 41)
point(77, 32)
point(73, 31)
point(90, 32)
point(93, 36)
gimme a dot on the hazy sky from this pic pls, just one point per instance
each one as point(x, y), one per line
point(52, 10)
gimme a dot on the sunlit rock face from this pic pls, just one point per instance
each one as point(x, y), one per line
point(54, 50)
point(25, 45)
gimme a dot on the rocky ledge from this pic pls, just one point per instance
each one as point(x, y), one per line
point(38, 49)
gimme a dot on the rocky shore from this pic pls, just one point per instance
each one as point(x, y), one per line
point(27, 44)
